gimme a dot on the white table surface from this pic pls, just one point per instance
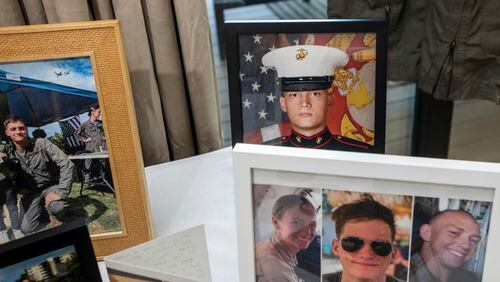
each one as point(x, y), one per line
point(100, 155)
point(197, 190)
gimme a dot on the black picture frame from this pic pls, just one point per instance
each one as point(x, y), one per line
point(234, 30)
point(74, 234)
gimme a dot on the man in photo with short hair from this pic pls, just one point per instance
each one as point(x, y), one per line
point(365, 242)
point(44, 175)
point(306, 76)
point(449, 240)
point(91, 133)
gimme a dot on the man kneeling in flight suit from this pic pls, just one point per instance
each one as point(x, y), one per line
point(44, 175)
point(306, 73)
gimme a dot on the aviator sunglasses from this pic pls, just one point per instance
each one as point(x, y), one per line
point(354, 244)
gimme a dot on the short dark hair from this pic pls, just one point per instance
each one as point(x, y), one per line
point(418, 242)
point(289, 201)
point(91, 109)
point(12, 118)
point(363, 210)
point(39, 133)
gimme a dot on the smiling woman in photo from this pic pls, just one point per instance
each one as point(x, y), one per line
point(294, 221)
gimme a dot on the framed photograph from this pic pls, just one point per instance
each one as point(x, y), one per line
point(63, 253)
point(308, 83)
point(119, 276)
point(326, 216)
point(70, 144)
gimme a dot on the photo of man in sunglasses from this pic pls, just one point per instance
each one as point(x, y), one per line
point(366, 233)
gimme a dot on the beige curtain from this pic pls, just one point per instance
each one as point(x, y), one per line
point(170, 62)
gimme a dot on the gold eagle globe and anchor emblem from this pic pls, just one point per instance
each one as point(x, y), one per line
point(301, 54)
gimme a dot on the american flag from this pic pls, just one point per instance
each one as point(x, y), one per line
point(260, 89)
point(69, 128)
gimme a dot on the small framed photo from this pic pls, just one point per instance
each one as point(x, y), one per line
point(69, 141)
point(308, 83)
point(120, 276)
point(309, 215)
point(63, 253)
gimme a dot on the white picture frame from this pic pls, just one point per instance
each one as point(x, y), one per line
point(361, 172)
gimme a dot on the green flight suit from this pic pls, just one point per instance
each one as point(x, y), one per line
point(98, 142)
point(94, 131)
point(43, 168)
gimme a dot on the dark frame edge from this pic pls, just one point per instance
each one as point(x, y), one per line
point(233, 29)
point(72, 233)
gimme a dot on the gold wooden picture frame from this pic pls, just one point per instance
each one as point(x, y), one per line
point(101, 44)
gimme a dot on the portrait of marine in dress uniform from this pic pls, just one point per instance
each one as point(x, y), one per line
point(312, 90)
point(306, 76)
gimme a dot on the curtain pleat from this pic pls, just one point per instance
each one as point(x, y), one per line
point(33, 11)
point(170, 76)
point(11, 13)
point(102, 9)
point(199, 68)
point(144, 86)
point(50, 11)
point(63, 11)
point(170, 63)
